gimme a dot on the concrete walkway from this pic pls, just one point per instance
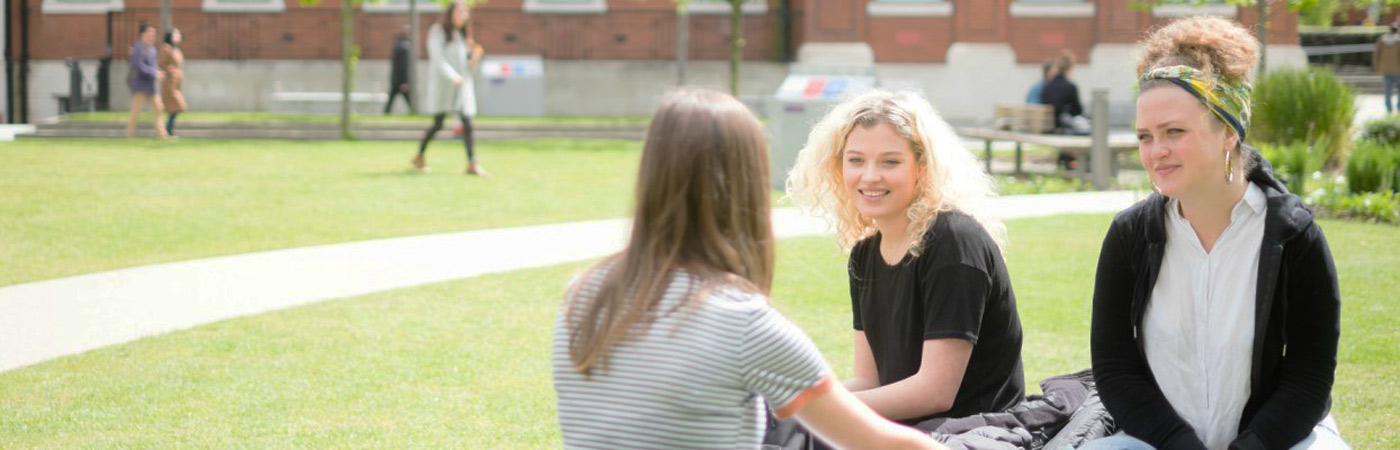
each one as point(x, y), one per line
point(48, 319)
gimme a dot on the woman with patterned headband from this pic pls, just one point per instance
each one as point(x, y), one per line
point(1202, 286)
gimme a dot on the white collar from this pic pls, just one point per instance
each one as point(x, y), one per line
point(1254, 201)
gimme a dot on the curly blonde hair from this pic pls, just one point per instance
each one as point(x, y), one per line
point(950, 177)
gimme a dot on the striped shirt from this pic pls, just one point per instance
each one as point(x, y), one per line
point(692, 379)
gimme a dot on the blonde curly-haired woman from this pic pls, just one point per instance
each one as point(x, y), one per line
point(937, 333)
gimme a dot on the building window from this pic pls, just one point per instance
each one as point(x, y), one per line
point(1212, 8)
point(722, 7)
point(909, 8)
point(566, 6)
point(80, 6)
point(245, 6)
point(1052, 8)
point(400, 6)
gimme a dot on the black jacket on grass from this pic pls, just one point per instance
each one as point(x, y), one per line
point(1297, 306)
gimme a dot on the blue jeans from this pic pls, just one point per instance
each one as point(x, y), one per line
point(1324, 437)
point(1391, 83)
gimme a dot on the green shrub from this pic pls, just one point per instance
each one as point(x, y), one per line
point(1292, 163)
point(1370, 168)
point(1039, 184)
point(1384, 131)
point(1304, 106)
point(1335, 201)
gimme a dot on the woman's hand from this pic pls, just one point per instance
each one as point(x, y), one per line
point(477, 51)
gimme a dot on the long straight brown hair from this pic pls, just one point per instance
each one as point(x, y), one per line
point(451, 29)
point(702, 205)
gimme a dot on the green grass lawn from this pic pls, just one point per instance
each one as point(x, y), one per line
point(80, 206)
point(465, 363)
point(267, 117)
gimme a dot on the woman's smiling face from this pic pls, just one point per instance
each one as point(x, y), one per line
point(879, 171)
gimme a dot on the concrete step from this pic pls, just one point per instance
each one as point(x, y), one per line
point(390, 126)
point(1363, 83)
point(363, 130)
point(8, 132)
point(331, 133)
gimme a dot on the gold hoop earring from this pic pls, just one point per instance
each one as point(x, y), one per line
point(1229, 168)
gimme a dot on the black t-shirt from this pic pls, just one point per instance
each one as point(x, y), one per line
point(956, 288)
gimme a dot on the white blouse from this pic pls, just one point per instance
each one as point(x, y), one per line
point(1199, 325)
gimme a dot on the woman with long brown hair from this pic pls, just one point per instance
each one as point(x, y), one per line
point(670, 343)
point(452, 57)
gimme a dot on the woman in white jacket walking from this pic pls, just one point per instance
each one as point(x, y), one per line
point(452, 56)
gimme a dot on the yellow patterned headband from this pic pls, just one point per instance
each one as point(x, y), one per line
point(1229, 101)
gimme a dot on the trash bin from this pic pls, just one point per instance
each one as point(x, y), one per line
point(805, 96)
point(511, 85)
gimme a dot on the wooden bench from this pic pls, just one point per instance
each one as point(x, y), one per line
point(1024, 118)
point(327, 102)
point(1079, 146)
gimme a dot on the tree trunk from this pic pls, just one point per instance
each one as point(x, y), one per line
point(736, 44)
point(1261, 31)
point(348, 55)
point(165, 21)
point(682, 43)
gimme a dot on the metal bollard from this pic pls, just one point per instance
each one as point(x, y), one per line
point(75, 85)
point(1100, 157)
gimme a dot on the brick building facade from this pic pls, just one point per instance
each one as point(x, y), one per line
point(621, 33)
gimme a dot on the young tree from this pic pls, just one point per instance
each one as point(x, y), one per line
point(736, 39)
point(349, 56)
point(1261, 30)
point(736, 44)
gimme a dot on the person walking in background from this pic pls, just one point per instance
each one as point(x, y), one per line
point(452, 56)
point(671, 343)
point(1216, 308)
point(172, 65)
point(142, 80)
point(398, 71)
point(1386, 61)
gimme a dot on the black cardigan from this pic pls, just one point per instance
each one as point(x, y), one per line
point(1063, 95)
point(1297, 305)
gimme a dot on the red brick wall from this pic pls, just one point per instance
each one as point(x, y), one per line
point(836, 21)
point(1283, 24)
point(980, 20)
point(1118, 22)
point(910, 39)
point(630, 30)
point(1037, 39)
